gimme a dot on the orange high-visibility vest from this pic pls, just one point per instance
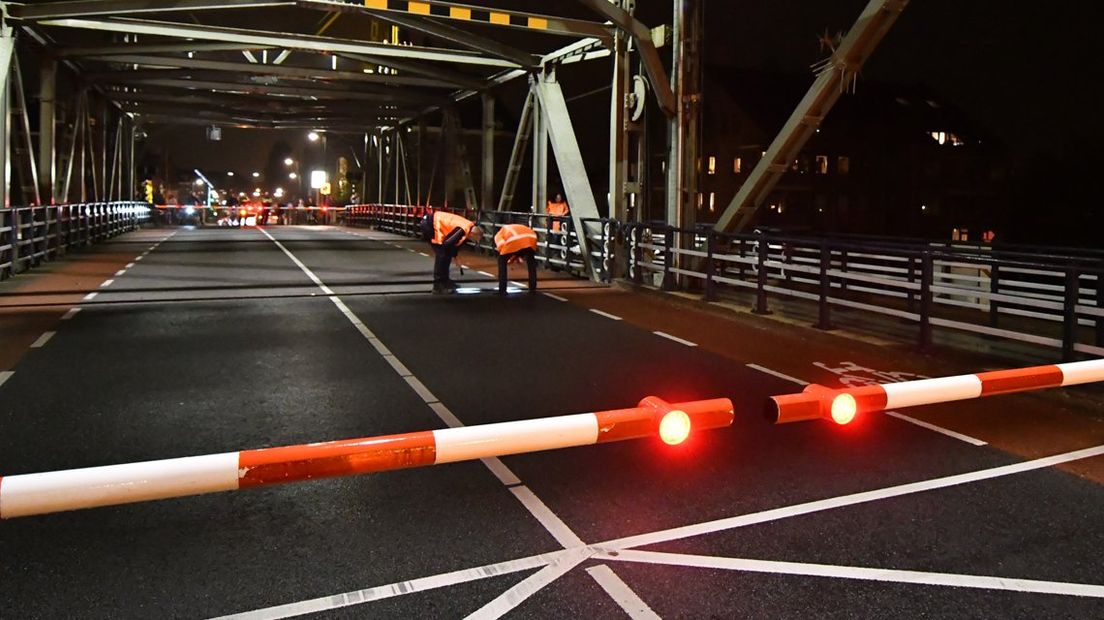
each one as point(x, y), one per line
point(557, 208)
point(515, 238)
point(445, 222)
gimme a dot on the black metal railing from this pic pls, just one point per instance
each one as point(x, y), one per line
point(30, 236)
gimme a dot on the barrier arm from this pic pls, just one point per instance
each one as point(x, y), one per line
point(74, 489)
point(842, 405)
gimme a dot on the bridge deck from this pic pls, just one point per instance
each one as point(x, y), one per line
point(217, 340)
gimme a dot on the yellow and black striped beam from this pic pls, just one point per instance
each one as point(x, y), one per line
point(489, 16)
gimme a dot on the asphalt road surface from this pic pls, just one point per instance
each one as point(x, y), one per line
point(221, 340)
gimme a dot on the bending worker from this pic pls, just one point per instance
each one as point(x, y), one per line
point(514, 243)
point(446, 232)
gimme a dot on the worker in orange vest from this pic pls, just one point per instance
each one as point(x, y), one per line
point(557, 207)
point(446, 233)
point(515, 242)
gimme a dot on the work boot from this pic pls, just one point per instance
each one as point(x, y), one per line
point(448, 287)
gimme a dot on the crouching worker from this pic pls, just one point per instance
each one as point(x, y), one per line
point(446, 233)
point(514, 243)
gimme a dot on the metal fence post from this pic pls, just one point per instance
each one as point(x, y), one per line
point(912, 280)
point(740, 265)
point(1069, 314)
point(824, 319)
point(668, 258)
point(994, 289)
point(843, 268)
point(710, 266)
point(927, 275)
point(761, 285)
point(1100, 305)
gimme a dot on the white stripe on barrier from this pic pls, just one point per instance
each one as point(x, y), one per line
point(73, 489)
point(928, 391)
point(476, 442)
point(1075, 373)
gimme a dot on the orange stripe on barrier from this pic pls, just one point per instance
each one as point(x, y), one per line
point(335, 458)
point(1019, 380)
point(620, 424)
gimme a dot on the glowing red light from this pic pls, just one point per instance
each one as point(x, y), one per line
point(844, 409)
point(674, 428)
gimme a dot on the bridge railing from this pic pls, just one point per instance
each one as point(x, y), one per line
point(1047, 297)
point(32, 235)
point(557, 239)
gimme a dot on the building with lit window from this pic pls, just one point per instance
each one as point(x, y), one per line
point(887, 160)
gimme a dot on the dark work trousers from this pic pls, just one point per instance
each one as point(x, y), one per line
point(530, 257)
point(445, 253)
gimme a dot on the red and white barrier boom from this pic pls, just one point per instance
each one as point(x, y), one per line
point(841, 406)
point(31, 494)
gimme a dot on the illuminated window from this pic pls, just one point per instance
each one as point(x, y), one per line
point(939, 136)
point(712, 165)
point(737, 165)
point(821, 164)
point(699, 200)
point(843, 164)
point(712, 201)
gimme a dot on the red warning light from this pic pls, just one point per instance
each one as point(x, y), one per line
point(674, 428)
point(844, 408)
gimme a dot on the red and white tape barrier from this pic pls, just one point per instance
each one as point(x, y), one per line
point(842, 405)
point(31, 494)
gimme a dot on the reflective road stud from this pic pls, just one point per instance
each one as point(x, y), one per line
point(30, 494)
point(817, 401)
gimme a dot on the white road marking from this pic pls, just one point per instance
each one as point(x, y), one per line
point(120, 272)
point(90, 296)
point(484, 273)
point(72, 313)
point(128, 265)
point(606, 314)
point(676, 339)
point(510, 599)
point(621, 593)
point(555, 526)
point(139, 257)
point(553, 296)
point(424, 254)
point(5, 375)
point(775, 373)
point(107, 283)
point(42, 340)
point(939, 429)
point(397, 365)
point(890, 575)
point(720, 525)
point(399, 588)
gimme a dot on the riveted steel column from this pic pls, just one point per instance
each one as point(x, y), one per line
point(486, 196)
point(47, 122)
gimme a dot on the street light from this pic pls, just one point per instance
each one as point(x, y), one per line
point(256, 175)
point(288, 161)
point(313, 136)
point(293, 176)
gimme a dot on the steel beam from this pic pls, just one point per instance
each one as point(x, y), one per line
point(47, 123)
point(153, 48)
point(487, 170)
point(460, 37)
point(275, 39)
point(443, 75)
point(262, 89)
point(481, 15)
point(540, 154)
point(321, 74)
point(517, 154)
point(88, 8)
point(843, 67)
point(619, 145)
point(569, 161)
point(7, 46)
point(640, 33)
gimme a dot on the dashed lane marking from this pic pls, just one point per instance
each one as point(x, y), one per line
point(5, 375)
point(128, 265)
point(120, 272)
point(939, 429)
point(424, 254)
point(606, 314)
point(676, 339)
point(90, 296)
point(107, 283)
point(554, 296)
point(42, 340)
point(484, 273)
point(775, 373)
point(72, 313)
